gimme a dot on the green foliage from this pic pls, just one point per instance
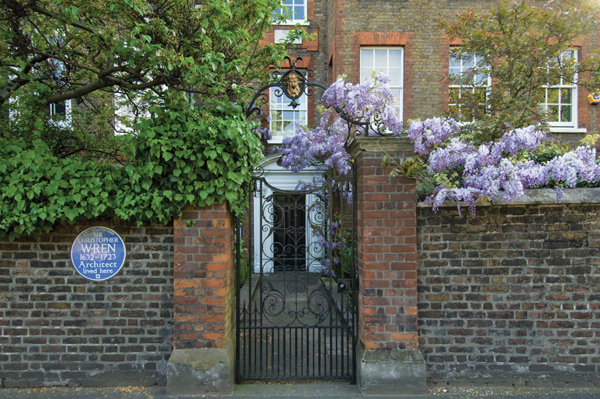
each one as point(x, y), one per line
point(548, 151)
point(111, 53)
point(180, 156)
point(146, 55)
point(244, 269)
point(590, 140)
point(520, 45)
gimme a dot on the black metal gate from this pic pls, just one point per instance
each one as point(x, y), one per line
point(296, 284)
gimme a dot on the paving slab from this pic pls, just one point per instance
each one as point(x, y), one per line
point(321, 390)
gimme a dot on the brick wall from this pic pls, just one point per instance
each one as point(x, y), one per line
point(58, 328)
point(512, 294)
point(204, 294)
point(386, 248)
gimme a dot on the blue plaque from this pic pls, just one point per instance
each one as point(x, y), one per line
point(98, 253)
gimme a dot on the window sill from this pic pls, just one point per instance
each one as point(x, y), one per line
point(276, 140)
point(558, 129)
point(293, 23)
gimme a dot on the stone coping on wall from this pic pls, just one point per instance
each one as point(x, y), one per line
point(541, 196)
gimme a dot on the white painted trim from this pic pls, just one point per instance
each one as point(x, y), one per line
point(283, 179)
point(293, 23)
point(558, 129)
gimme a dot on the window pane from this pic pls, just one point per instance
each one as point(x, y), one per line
point(565, 96)
point(302, 118)
point(565, 113)
point(480, 95)
point(59, 108)
point(481, 79)
point(553, 113)
point(454, 77)
point(366, 58)
point(568, 54)
point(552, 96)
point(299, 12)
point(396, 58)
point(365, 74)
point(380, 59)
point(454, 96)
point(454, 62)
point(396, 77)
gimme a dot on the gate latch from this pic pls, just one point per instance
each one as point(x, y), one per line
point(348, 284)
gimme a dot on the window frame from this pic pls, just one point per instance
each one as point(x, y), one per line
point(365, 71)
point(558, 125)
point(282, 104)
point(66, 122)
point(462, 87)
point(291, 7)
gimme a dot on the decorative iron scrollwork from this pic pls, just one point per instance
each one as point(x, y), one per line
point(292, 83)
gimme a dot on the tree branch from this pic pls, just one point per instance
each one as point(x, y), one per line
point(19, 82)
point(59, 17)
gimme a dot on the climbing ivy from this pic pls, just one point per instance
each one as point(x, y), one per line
point(177, 157)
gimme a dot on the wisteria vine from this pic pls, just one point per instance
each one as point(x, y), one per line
point(506, 167)
point(325, 145)
point(503, 167)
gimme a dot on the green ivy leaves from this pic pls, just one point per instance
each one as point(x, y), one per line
point(178, 157)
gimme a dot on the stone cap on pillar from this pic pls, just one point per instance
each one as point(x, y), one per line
point(378, 144)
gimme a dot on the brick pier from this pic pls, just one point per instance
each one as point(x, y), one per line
point(387, 265)
point(204, 303)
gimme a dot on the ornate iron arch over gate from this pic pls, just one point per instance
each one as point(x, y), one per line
point(296, 286)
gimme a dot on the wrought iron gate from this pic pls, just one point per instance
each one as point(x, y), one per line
point(296, 284)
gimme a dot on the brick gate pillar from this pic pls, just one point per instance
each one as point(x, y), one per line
point(203, 304)
point(388, 358)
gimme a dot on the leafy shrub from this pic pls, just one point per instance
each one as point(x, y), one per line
point(178, 157)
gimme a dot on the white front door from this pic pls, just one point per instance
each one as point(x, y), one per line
point(286, 222)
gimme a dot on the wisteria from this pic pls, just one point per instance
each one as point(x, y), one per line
point(464, 172)
point(324, 146)
point(499, 167)
point(425, 134)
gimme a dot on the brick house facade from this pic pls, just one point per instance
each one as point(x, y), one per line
point(511, 296)
point(343, 27)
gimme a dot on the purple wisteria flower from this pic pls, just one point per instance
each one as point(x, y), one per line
point(425, 134)
point(497, 168)
point(325, 144)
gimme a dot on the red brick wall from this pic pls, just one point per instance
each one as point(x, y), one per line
point(387, 257)
point(204, 299)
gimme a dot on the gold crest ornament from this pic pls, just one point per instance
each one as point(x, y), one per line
point(292, 85)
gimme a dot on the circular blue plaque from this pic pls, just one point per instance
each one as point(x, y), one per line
point(98, 253)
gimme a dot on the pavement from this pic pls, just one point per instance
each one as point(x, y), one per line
point(322, 390)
